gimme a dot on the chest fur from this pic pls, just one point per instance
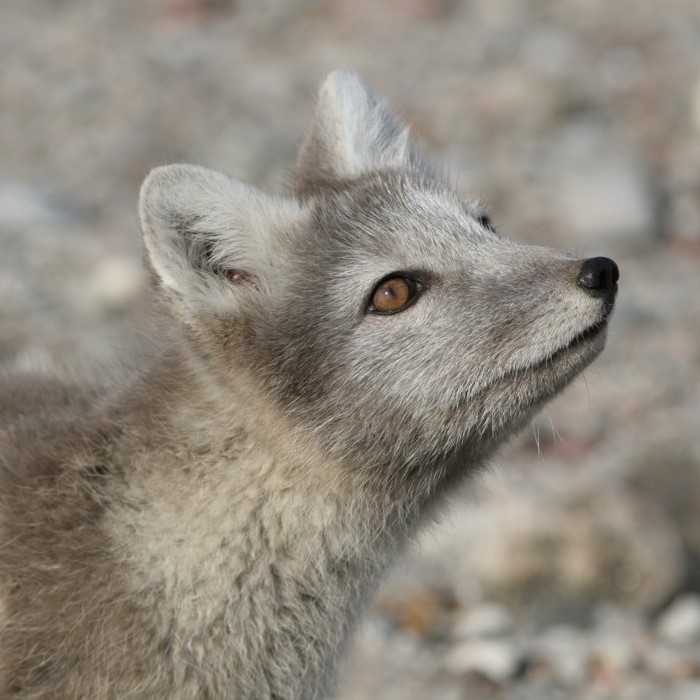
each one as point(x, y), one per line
point(255, 573)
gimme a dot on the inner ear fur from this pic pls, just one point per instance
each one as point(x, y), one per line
point(205, 232)
point(353, 132)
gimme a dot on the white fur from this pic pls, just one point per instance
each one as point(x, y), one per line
point(246, 229)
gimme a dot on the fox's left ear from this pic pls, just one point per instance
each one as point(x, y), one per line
point(353, 132)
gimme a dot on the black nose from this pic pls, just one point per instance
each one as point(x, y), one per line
point(598, 276)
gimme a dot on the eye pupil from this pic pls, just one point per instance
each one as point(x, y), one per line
point(392, 295)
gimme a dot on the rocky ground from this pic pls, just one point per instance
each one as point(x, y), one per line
point(573, 569)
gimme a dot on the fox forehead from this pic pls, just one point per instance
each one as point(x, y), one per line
point(396, 220)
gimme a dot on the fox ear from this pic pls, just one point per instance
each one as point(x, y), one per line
point(211, 240)
point(353, 132)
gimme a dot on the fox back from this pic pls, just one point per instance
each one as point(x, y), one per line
point(332, 363)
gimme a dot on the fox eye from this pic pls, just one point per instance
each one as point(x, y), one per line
point(393, 294)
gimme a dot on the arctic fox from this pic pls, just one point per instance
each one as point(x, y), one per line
point(336, 362)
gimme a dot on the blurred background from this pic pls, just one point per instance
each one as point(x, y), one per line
point(572, 570)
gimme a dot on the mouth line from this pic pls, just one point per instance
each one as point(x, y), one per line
point(580, 339)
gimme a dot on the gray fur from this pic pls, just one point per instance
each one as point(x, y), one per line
point(214, 528)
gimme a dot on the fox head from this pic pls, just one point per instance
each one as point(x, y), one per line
point(376, 308)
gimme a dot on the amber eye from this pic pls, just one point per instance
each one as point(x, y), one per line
point(393, 294)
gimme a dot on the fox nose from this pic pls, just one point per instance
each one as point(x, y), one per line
point(599, 276)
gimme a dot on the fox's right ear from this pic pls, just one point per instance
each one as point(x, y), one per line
point(210, 241)
point(353, 132)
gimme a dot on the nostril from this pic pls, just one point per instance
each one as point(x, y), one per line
point(598, 275)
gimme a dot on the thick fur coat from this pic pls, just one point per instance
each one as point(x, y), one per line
point(332, 364)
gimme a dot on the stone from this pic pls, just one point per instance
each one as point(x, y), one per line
point(487, 620)
point(680, 623)
point(669, 662)
point(564, 651)
point(614, 653)
point(497, 660)
point(551, 551)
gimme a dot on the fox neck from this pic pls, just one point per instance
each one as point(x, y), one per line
point(251, 542)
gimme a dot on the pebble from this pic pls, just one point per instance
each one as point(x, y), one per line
point(565, 651)
point(669, 662)
point(497, 660)
point(680, 623)
point(487, 620)
point(542, 543)
point(614, 652)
